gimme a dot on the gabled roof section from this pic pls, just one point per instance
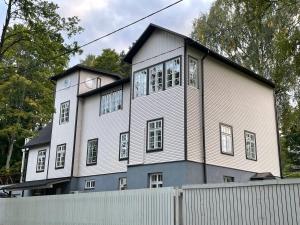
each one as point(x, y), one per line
point(43, 137)
point(104, 88)
point(88, 69)
point(189, 41)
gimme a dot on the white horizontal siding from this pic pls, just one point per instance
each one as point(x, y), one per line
point(107, 129)
point(31, 173)
point(63, 133)
point(194, 112)
point(245, 104)
point(168, 104)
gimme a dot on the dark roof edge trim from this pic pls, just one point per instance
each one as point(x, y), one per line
point(104, 88)
point(85, 68)
point(37, 145)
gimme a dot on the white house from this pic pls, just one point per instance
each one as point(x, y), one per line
point(186, 115)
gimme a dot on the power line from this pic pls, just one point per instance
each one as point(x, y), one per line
point(103, 36)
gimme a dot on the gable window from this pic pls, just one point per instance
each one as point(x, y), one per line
point(41, 158)
point(250, 145)
point(60, 156)
point(193, 71)
point(226, 139)
point(92, 151)
point(124, 146)
point(172, 73)
point(64, 112)
point(140, 83)
point(89, 184)
point(111, 102)
point(156, 78)
point(228, 179)
point(155, 180)
point(122, 183)
point(155, 135)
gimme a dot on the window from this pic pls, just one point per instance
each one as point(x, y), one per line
point(226, 139)
point(92, 151)
point(111, 102)
point(140, 83)
point(172, 73)
point(64, 112)
point(60, 156)
point(228, 179)
point(90, 184)
point(122, 183)
point(193, 72)
point(41, 158)
point(156, 78)
point(155, 135)
point(250, 145)
point(124, 146)
point(155, 180)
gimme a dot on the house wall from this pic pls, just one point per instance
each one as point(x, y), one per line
point(168, 104)
point(91, 78)
point(31, 173)
point(246, 104)
point(194, 112)
point(107, 129)
point(63, 133)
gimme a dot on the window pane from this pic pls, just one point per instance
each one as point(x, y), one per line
point(154, 135)
point(172, 72)
point(226, 139)
point(155, 78)
point(140, 83)
point(111, 102)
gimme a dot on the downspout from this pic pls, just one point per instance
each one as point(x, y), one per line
point(277, 133)
point(203, 118)
point(184, 78)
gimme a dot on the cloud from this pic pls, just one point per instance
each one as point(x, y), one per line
point(99, 17)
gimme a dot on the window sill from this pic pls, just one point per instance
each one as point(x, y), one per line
point(229, 154)
point(91, 164)
point(154, 150)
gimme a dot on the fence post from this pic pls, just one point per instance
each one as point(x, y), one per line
point(178, 206)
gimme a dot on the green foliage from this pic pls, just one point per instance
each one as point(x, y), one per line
point(262, 36)
point(110, 61)
point(31, 47)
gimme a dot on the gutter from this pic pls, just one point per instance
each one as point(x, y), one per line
point(203, 118)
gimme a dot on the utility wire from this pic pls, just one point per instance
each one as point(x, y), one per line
point(103, 36)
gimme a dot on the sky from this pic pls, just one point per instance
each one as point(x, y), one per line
point(99, 17)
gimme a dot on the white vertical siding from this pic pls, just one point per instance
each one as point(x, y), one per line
point(31, 173)
point(194, 112)
point(168, 104)
point(107, 129)
point(245, 104)
point(63, 133)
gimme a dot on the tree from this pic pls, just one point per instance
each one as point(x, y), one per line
point(263, 36)
point(110, 61)
point(32, 48)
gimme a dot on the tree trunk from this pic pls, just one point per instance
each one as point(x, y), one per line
point(10, 151)
point(5, 27)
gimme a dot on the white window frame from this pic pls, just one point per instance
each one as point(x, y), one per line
point(41, 161)
point(140, 83)
point(89, 184)
point(228, 179)
point(92, 153)
point(193, 72)
point(124, 146)
point(153, 128)
point(64, 112)
point(172, 67)
point(226, 139)
point(60, 156)
point(250, 145)
point(122, 183)
point(111, 102)
point(156, 78)
point(155, 180)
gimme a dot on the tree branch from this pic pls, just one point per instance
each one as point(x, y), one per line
point(5, 26)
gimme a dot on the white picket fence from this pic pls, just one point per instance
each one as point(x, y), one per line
point(256, 203)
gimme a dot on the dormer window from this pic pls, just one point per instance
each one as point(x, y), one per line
point(64, 112)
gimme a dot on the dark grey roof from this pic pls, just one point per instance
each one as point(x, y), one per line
point(37, 184)
point(152, 27)
point(43, 137)
point(85, 68)
point(105, 87)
